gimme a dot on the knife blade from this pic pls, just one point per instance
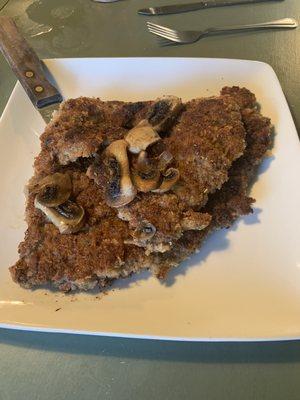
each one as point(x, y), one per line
point(179, 8)
point(29, 69)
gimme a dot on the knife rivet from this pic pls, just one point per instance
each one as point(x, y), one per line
point(39, 89)
point(29, 74)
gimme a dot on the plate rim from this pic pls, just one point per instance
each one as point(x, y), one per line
point(269, 69)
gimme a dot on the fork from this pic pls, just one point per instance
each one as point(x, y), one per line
point(173, 35)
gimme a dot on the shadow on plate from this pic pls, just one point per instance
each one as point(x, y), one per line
point(214, 243)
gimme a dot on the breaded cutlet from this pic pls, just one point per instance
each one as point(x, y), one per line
point(232, 200)
point(208, 137)
point(104, 248)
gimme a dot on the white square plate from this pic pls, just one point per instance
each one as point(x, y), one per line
point(245, 282)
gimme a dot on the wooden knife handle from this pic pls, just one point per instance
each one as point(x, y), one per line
point(26, 65)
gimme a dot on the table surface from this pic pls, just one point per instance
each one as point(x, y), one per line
point(57, 366)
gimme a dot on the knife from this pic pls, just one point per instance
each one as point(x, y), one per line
point(201, 5)
point(29, 69)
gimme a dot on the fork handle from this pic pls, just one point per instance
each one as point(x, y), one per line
point(287, 23)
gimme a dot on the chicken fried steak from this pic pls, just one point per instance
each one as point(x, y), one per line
point(121, 187)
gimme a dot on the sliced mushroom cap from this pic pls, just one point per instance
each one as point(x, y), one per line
point(119, 188)
point(170, 177)
point(141, 136)
point(54, 189)
point(163, 112)
point(146, 174)
point(164, 160)
point(144, 231)
point(67, 217)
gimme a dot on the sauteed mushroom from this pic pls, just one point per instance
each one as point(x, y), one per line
point(67, 217)
point(170, 177)
point(146, 174)
point(54, 189)
point(119, 189)
point(141, 136)
point(164, 160)
point(163, 112)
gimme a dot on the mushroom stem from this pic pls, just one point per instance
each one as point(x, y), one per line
point(120, 190)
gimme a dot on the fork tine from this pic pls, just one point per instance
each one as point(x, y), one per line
point(172, 34)
point(162, 30)
point(161, 27)
point(163, 34)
